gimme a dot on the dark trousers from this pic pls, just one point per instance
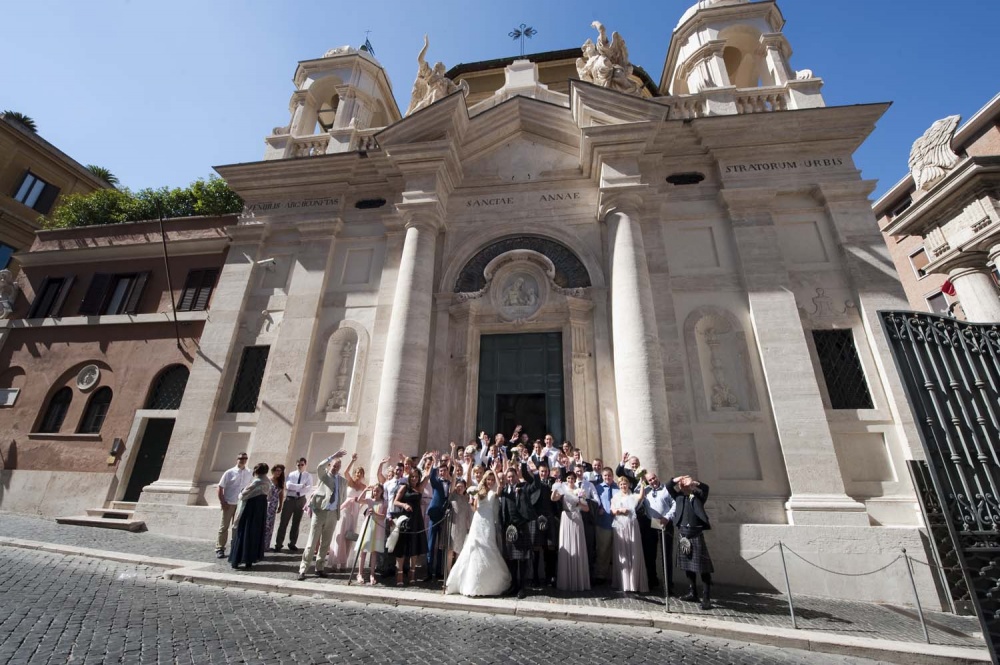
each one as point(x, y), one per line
point(435, 536)
point(292, 509)
point(650, 538)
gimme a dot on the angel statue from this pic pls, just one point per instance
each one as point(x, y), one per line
point(931, 156)
point(431, 83)
point(606, 63)
point(8, 293)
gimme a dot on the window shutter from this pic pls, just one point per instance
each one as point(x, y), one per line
point(208, 278)
point(190, 291)
point(135, 292)
point(39, 297)
point(46, 199)
point(61, 298)
point(97, 293)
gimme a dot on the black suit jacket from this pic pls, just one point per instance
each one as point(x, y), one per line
point(690, 512)
point(517, 504)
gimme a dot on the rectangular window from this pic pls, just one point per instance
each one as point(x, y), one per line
point(248, 379)
point(842, 371)
point(198, 290)
point(919, 261)
point(114, 294)
point(937, 303)
point(50, 297)
point(6, 251)
point(36, 193)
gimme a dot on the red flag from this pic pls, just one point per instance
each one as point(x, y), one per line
point(948, 288)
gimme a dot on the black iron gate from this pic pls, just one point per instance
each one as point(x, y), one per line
point(951, 373)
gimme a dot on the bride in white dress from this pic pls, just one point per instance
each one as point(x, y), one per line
point(480, 569)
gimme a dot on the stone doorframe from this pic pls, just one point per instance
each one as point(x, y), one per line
point(521, 296)
point(138, 430)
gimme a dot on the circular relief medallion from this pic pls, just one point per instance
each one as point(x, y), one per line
point(88, 377)
point(520, 296)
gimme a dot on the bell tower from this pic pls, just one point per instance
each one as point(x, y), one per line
point(734, 52)
point(340, 101)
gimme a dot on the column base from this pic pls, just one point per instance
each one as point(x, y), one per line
point(826, 510)
point(172, 492)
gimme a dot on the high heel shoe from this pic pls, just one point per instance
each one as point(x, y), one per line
point(371, 580)
point(361, 578)
point(413, 576)
point(399, 578)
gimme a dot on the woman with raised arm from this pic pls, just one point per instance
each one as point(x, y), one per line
point(345, 533)
point(411, 545)
point(480, 569)
point(628, 565)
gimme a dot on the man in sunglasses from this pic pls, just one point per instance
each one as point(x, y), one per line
point(297, 484)
point(232, 483)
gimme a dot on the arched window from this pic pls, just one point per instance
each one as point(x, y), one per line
point(56, 411)
point(168, 388)
point(96, 411)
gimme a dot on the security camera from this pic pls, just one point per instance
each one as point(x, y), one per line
point(266, 262)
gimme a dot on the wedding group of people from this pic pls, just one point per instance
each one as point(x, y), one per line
point(492, 518)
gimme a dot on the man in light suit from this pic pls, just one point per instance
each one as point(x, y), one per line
point(325, 505)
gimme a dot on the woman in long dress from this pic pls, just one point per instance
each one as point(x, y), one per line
point(341, 546)
point(573, 570)
point(412, 541)
point(627, 545)
point(251, 516)
point(461, 519)
point(480, 569)
point(275, 499)
point(372, 538)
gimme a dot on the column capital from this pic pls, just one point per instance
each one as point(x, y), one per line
point(967, 263)
point(994, 254)
point(426, 213)
point(626, 200)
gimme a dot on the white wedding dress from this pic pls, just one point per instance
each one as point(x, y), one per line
point(480, 569)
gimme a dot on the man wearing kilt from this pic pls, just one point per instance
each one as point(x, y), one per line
point(548, 512)
point(519, 523)
point(692, 521)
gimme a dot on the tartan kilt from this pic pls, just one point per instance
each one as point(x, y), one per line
point(699, 561)
point(522, 548)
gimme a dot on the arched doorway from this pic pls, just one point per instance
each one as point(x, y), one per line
point(156, 427)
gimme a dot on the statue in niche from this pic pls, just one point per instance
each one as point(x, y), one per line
point(8, 293)
point(606, 63)
point(723, 397)
point(431, 83)
point(520, 294)
point(339, 396)
point(931, 156)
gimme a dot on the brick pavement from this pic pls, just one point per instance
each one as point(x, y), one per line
point(69, 609)
point(738, 605)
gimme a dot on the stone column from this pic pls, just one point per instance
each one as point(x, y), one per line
point(217, 349)
point(975, 288)
point(818, 494)
point(290, 357)
point(643, 422)
point(404, 371)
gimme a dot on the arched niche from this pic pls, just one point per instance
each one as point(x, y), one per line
point(569, 272)
point(745, 64)
point(718, 357)
point(338, 393)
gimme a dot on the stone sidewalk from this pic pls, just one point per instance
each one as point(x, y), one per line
point(754, 612)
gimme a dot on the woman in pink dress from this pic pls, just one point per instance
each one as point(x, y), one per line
point(630, 567)
point(341, 547)
point(573, 569)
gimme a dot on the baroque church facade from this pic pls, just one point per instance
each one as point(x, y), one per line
point(687, 271)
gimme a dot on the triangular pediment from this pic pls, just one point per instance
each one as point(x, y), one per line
point(521, 140)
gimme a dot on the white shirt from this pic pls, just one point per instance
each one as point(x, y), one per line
point(392, 486)
point(298, 483)
point(589, 491)
point(232, 483)
point(659, 504)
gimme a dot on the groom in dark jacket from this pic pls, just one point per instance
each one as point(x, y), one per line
point(692, 522)
point(441, 484)
point(519, 522)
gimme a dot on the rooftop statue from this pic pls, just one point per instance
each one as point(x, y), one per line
point(931, 156)
point(606, 63)
point(431, 84)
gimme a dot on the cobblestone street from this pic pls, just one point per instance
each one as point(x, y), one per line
point(736, 605)
point(61, 609)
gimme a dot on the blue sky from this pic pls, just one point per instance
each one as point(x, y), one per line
point(159, 92)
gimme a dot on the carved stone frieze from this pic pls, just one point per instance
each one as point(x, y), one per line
point(931, 156)
point(570, 273)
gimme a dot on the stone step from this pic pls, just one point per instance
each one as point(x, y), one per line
point(103, 523)
point(111, 513)
point(124, 505)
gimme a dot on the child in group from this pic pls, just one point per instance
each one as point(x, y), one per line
point(372, 540)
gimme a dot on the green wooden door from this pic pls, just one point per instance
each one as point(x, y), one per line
point(521, 379)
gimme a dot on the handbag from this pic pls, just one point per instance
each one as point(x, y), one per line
point(399, 525)
point(351, 536)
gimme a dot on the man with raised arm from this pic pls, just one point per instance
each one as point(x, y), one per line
point(325, 505)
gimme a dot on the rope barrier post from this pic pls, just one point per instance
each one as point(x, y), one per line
point(666, 556)
point(788, 587)
point(916, 597)
point(446, 564)
point(357, 548)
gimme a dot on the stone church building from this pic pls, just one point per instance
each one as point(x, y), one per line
point(688, 271)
